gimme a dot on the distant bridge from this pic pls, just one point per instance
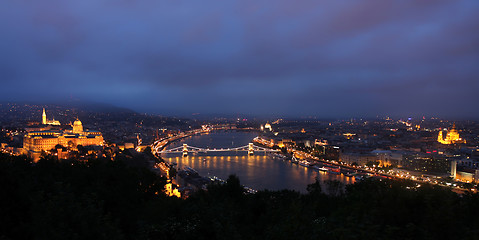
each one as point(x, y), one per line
point(250, 148)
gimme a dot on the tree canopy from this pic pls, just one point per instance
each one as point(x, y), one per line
point(103, 199)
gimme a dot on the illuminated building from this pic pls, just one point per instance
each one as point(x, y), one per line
point(45, 121)
point(206, 128)
point(452, 137)
point(44, 117)
point(172, 190)
point(349, 135)
point(320, 142)
point(268, 126)
point(34, 142)
point(388, 158)
point(465, 170)
point(426, 162)
point(360, 159)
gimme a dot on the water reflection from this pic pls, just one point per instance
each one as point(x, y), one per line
point(260, 171)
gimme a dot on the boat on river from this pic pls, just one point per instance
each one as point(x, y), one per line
point(304, 163)
point(322, 169)
point(334, 170)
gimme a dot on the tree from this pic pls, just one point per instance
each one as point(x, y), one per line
point(172, 172)
point(334, 187)
point(147, 150)
point(82, 150)
point(314, 188)
point(70, 144)
point(468, 185)
point(233, 186)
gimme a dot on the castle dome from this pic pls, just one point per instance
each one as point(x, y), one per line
point(77, 127)
point(77, 123)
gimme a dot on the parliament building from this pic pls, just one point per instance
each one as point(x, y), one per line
point(45, 138)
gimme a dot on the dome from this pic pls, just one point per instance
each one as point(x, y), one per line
point(77, 127)
point(77, 123)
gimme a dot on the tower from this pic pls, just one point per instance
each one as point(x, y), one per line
point(250, 149)
point(440, 138)
point(44, 117)
point(453, 169)
point(185, 150)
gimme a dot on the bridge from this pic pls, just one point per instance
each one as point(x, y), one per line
point(185, 149)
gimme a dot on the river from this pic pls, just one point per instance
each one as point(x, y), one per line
point(260, 171)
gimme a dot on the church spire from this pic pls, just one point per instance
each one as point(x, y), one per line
point(44, 117)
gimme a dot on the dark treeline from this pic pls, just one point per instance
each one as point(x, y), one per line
point(114, 200)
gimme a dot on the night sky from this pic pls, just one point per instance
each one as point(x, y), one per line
point(270, 58)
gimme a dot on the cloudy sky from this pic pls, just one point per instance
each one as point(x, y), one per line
point(291, 58)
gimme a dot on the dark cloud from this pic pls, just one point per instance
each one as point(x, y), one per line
point(325, 58)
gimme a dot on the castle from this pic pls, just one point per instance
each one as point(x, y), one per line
point(45, 139)
point(452, 137)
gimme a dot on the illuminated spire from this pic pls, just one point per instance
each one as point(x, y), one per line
point(44, 117)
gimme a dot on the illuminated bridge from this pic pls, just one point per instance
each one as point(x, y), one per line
point(250, 148)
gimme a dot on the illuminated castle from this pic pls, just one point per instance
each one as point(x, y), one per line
point(38, 140)
point(452, 137)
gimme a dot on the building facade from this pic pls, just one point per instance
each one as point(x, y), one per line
point(35, 142)
point(465, 170)
point(360, 159)
point(452, 137)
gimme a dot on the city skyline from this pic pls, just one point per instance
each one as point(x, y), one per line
point(270, 58)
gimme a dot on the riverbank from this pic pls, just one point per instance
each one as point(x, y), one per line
point(260, 171)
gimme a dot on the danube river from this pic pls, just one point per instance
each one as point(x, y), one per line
point(260, 171)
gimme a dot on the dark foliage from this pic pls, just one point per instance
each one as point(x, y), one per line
point(70, 200)
point(112, 200)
